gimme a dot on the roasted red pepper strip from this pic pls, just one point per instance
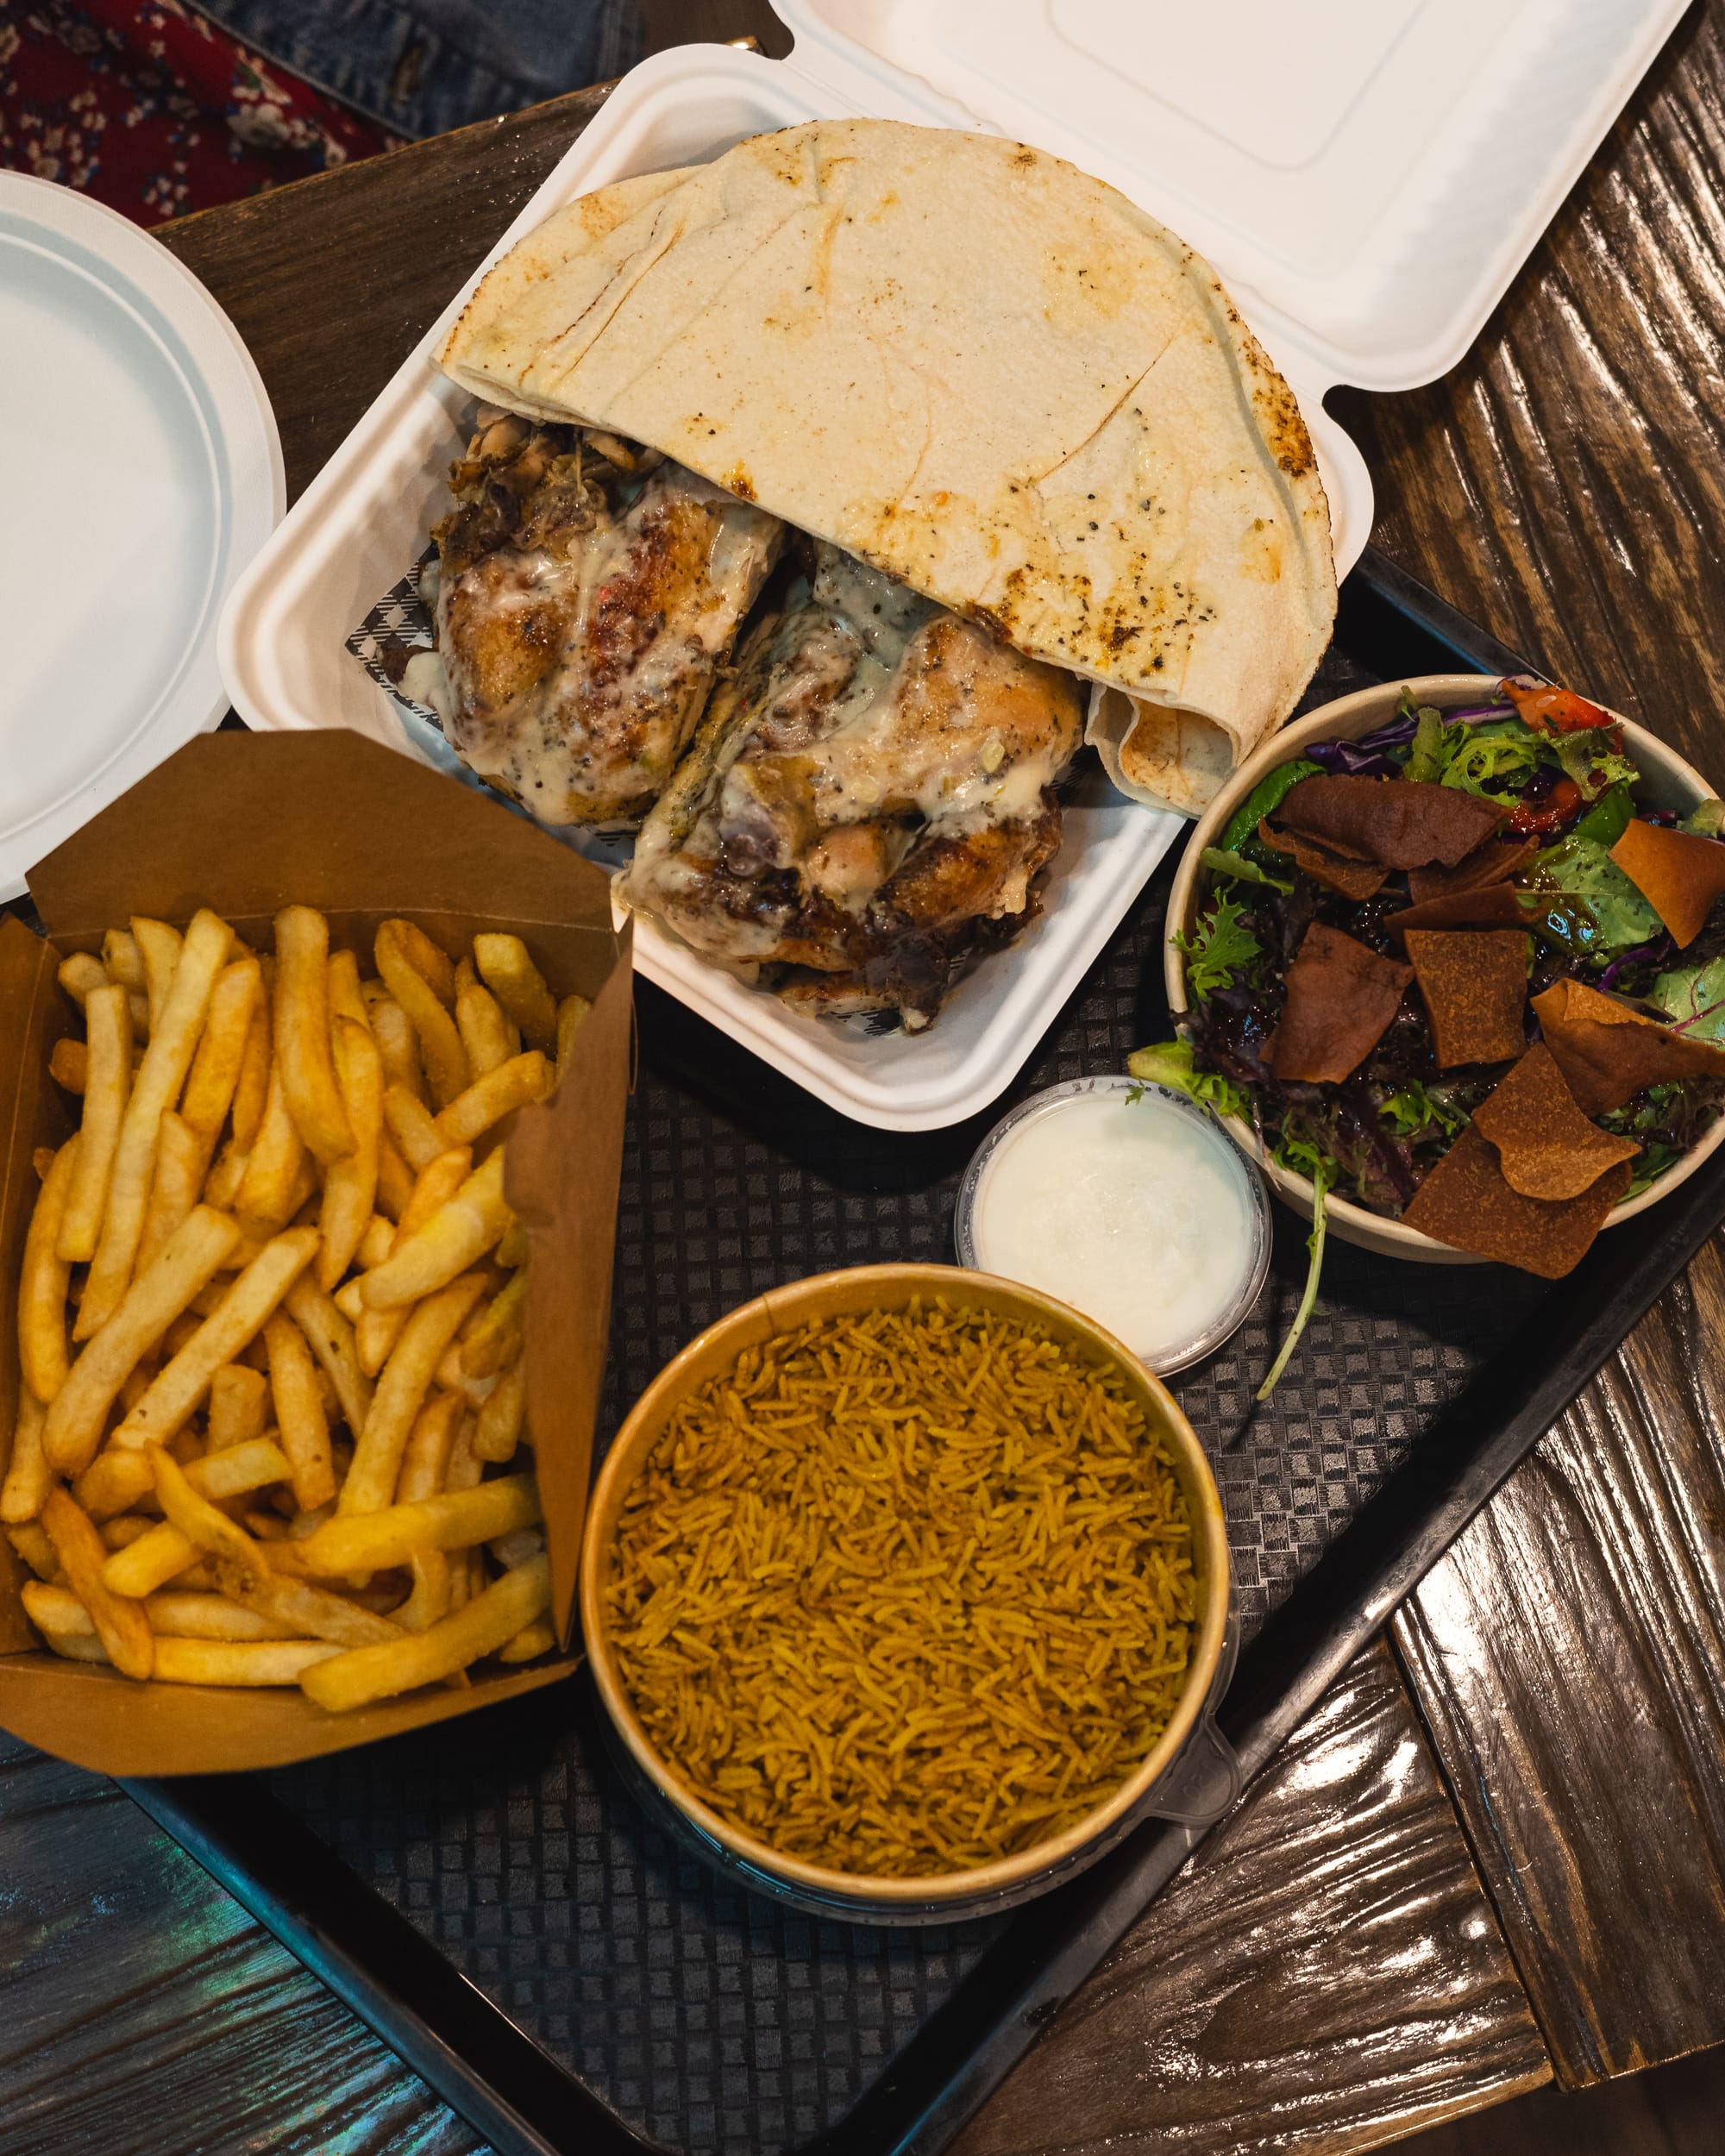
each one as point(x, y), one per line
point(1558, 806)
point(1554, 711)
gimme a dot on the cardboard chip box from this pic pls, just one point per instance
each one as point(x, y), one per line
point(248, 823)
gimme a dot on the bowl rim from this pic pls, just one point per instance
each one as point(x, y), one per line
point(780, 1310)
point(1348, 717)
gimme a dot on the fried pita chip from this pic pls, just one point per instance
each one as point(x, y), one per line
point(1403, 823)
point(1608, 1051)
point(1678, 875)
point(1496, 861)
point(1340, 998)
point(1494, 906)
point(1467, 1202)
point(1353, 878)
point(1547, 1148)
point(1475, 991)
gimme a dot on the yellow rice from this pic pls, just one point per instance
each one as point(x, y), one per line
point(905, 1593)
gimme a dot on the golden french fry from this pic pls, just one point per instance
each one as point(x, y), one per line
point(268, 1194)
point(107, 1087)
point(570, 1012)
point(27, 1469)
point(345, 998)
point(165, 1552)
point(159, 947)
point(377, 1242)
point(457, 1236)
point(519, 986)
point(299, 1413)
point(211, 1087)
point(430, 1597)
point(429, 960)
point(239, 1404)
point(198, 1518)
point(530, 1643)
point(488, 1036)
point(465, 1466)
point(185, 1615)
point(34, 1546)
point(72, 1647)
point(223, 1185)
point(56, 1609)
point(440, 1044)
point(157, 1086)
point(113, 1482)
point(46, 1277)
point(371, 1481)
point(152, 1560)
point(251, 1088)
point(120, 1476)
point(350, 1184)
point(501, 1613)
point(313, 1611)
point(117, 1534)
point(150, 1306)
point(395, 1180)
point(123, 962)
point(512, 1550)
point(413, 1127)
point(301, 1019)
point(455, 1520)
point(496, 1340)
point(249, 1662)
point(243, 1313)
point(376, 1330)
point(397, 1044)
point(80, 976)
point(350, 1302)
point(331, 1340)
point(375, 1333)
point(499, 1429)
point(121, 1624)
point(69, 1063)
point(178, 1177)
point(499, 1093)
point(425, 1462)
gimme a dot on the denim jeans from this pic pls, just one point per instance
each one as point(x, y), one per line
point(422, 66)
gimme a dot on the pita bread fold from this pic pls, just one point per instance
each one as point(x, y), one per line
point(970, 365)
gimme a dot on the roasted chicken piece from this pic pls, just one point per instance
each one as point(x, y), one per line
point(868, 801)
point(588, 592)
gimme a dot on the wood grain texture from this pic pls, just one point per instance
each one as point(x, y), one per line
point(1325, 1975)
point(143, 2013)
point(1671, 2110)
point(1570, 1655)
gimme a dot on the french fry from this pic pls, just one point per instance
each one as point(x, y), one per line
point(331, 1340)
point(72, 1647)
point(425, 1461)
point(350, 1184)
point(121, 1624)
point(157, 1086)
point(345, 998)
point(267, 1194)
point(519, 986)
point(412, 1126)
point(455, 1236)
point(299, 1413)
point(301, 1019)
point(371, 1480)
point(350, 1302)
point(488, 1036)
point(152, 1561)
point(223, 1185)
point(313, 1611)
point(465, 1467)
point(150, 1306)
point(34, 1546)
point(377, 1242)
point(429, 960)
point(27, 1469)
point(180, 1162)
point(397, 1044)
point(499, 1429)
point(376, 1330)
point(113, 1482)
point(177, 1389)
point(501, 1091)
point(43, 1282)
point(455, 1520)
point(512, 1550)
point(395, 1179)
point(198, 1518)
point(239, 1404)
point(251, 1088)
point(159, 945)
point(165, 1552)
point(512, 1253)
point(211, 1087)
point(440, 1044)
point(123, 962)
point(501, 1613)
point(119, 1477)
point(80, 974)
point(69, 1063)
point(247, 1662)
point(185, 1615)
point(530, 1643)
point(570, 1012)
point(497, 1338)
point(121, 1533)
point(107, 1087)
point(430, 1597)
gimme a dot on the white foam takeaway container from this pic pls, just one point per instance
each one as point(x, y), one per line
point(1366, 175)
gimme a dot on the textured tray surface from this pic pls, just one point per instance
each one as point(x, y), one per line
point(709, 2020)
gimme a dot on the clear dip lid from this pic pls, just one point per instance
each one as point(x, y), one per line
point(1223, 1266)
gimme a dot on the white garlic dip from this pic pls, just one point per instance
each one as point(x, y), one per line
point(1138, 1212)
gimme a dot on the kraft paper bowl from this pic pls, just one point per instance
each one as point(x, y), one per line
point(1666, 781)
point(939, 1897)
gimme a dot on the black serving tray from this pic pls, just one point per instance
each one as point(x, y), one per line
point(487, 1895)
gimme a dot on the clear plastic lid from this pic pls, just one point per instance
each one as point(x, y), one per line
point(1228, 1252)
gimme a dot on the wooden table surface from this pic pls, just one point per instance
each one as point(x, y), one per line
point(1449, 1884)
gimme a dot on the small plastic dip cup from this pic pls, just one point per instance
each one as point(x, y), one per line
point(1127, 1201)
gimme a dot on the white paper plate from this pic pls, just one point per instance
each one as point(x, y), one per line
point(143, 471)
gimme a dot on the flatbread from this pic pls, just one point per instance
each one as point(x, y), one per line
point(1609, 1052)
point(1403, 823)
point(1341, 997)
point(1547, 1148)
point(1465, 1202)
point(1475, 987)
point(972, 365)
point(1352, 878)
point(1677, 873)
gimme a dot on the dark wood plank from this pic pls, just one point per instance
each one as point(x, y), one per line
point(1671, 2110)
point(1325, 1974)
point(1570, 1653)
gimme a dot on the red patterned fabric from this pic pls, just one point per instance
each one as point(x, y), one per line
point(149, 107)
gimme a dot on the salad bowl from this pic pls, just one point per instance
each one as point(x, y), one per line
point(1666, 781)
